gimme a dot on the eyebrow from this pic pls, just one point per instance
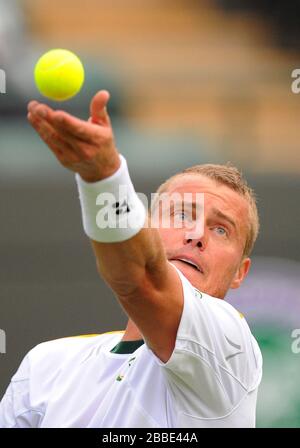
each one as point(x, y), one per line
point(222, 215)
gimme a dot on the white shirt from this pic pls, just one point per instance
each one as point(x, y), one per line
point(210, 380)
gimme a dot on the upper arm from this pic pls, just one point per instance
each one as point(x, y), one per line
point(156, 307)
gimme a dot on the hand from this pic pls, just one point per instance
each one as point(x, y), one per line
point(85, 147)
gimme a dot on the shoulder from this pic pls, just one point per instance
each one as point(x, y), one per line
point(48, 357)
point(217, 328)
point(71, 345)
point(230, 321)
point(238, 349)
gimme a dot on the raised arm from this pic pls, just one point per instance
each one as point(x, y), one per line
point(137, 270)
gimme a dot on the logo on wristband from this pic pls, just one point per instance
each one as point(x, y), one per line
point(121, 208)
point(127, 211)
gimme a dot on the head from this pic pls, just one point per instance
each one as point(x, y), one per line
point(230, 227)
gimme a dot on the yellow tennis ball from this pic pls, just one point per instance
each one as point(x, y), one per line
point(59, 74)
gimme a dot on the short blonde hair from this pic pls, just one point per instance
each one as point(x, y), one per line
point(228, 175)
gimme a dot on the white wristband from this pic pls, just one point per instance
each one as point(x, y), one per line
point(111, 209)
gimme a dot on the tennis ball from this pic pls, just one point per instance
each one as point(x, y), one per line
point(59, 74)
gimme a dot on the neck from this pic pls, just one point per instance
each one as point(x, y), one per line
point(132, 333)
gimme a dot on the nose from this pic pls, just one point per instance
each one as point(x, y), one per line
point(199, 242)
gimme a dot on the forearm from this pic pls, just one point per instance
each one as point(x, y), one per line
point(129, 252)
point(128, 265)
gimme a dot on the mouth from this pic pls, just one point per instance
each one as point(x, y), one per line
point(190, 263)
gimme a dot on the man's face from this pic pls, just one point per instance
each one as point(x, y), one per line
point(218, 251)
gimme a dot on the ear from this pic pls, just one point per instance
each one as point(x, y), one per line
point(241, 273)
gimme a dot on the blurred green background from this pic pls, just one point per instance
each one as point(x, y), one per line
point(190, 82)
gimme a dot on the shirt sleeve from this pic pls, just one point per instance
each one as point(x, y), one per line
point(216, 360)
point(15, 408)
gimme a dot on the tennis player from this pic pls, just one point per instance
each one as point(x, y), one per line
point(187, 358)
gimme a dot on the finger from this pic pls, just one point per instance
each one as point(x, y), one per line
point(62, 150)
point(71, 149)
point(31, 104)
point(98, 108)
point(65, 124)
point(40, 110)
point(71, 127)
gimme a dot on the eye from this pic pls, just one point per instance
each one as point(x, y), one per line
point(182, 218)
point(223, 229)
point(181, 214)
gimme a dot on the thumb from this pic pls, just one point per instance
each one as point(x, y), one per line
point(98, 111)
